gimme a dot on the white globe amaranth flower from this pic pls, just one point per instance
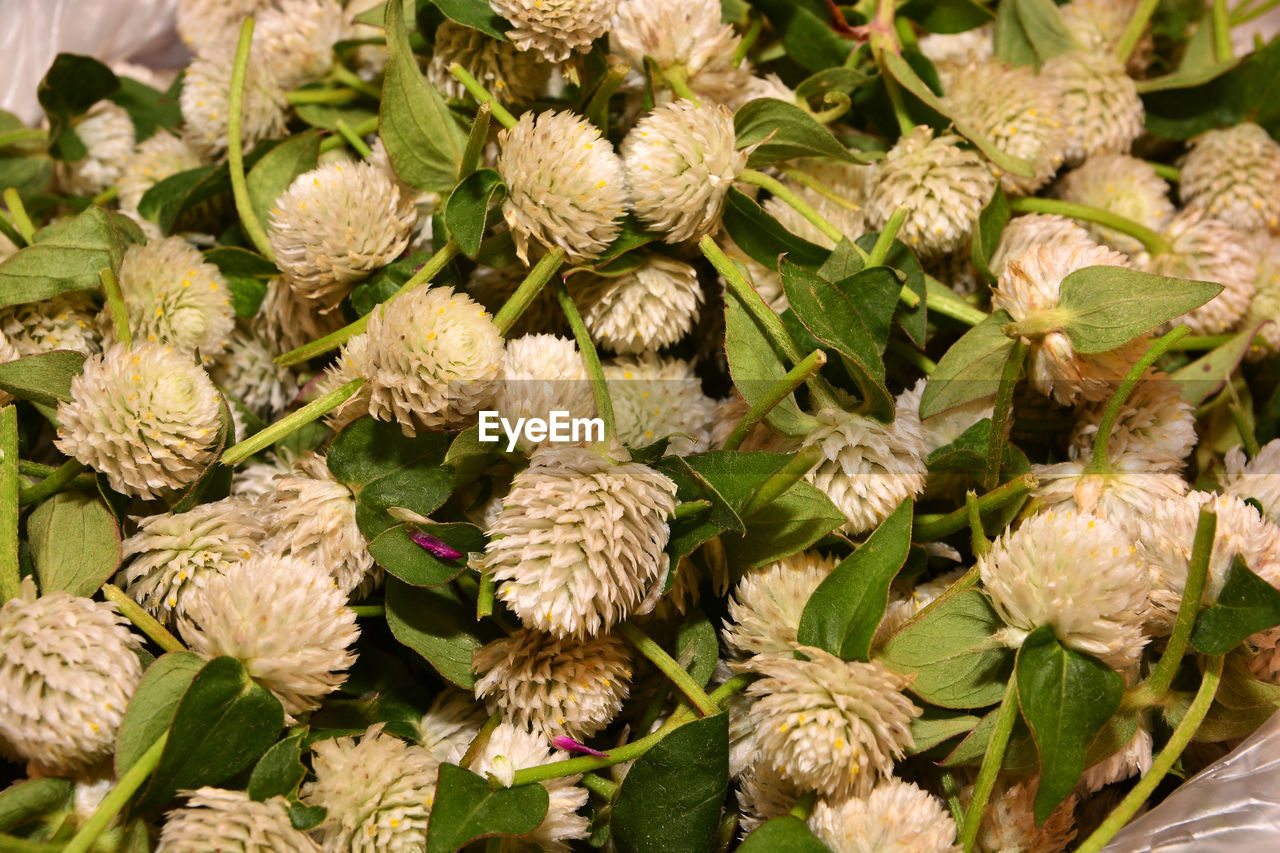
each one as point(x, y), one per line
point(1099, 25)
point(1264, 310)
point(204, 22)
point(349, 366)
point(231, 822)
point(542, 374)
point(255, 480)
point(768, 602)
point(1024, 233)
point(1155, 425)
point(554, 685)
point(838, 191)
point(160, 156)
point(688, 34)
point(65, 321)
point(296, 38)
point(450, 725)
point(206, 92)
point(1076, 573)
point(565, 186)
point(337, 224)
point(1230, 174)
point(896, 817)
point(763, 794)
point(286, 321)
point(943, 428)
point(1100, 105)
point(432, 359)
point(1009, 821)
point(655, 398)
point(952, 53)
point(1134, 759)
point(555, 28)
point(1120, 184)
point(1206, 249)
point(247, 372)
point(146, 417)
point(868, 467)
point(648, 308)
point(1018, 112)
point(680, 161)
point(172, 551)
point(578, 545)
point(511, 748)
point(368, 60)
point(1125, 494)
point(377, 792)
point(830, 725)
point(943, 186)
point(108, 135)
point(1257, 478)
point(512, 75)
point(283, 619)
point(68, 667)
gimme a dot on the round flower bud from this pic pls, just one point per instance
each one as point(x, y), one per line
point(514, 76)
point(1125, 495)
point(147, 418)
point(895, 816)
point(1098, 26)
point(1257, 478)
point(841, 200)
point(542, 374)
point(655, 397)
point(432, 359)
point(555, 28)
point(231, 822)
point(160, 156)
point(1018, 112)
point(248, 374)
point(204, 22)
point(1208, 250)
point(1119, 184)
point(1075, 573)
point(1100, 104)
point(1024, 233)
point(685, 33)
point(763, 794)
point(943, 186)
point(450, 725)
point(1156, 425)
point(296, 38)
point(651, 307)
point(204, 101)
point(173, 552)
point(564, 185)
point(311, 231)
point(68, 667)
point(108, 135)
point(952, 53)
point(680, 161)
point(868, 467)
point(1264, 310)
point(377, 792)
point(172, 296)
point(1009, 821)
point(554, 685)
point(578, 546)
point(286, 321)
point(283, 618)
point(830, 725)
point(62, 322)
point(1230, 174)
point(768, 602)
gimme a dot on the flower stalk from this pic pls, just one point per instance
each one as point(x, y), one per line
point(312, 411)
point(235, 145)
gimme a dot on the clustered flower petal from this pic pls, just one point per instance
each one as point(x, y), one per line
point(555, 28)
point(1120, 184)
point(655, 398)
point(1230, 173)
point(895, 816)
point(1257, 478)
point(218, 819)
point(1100, 104)
point(206, 92)
point(650, 307)
point(513, 75)
point(1205, 249)
point(768, 602)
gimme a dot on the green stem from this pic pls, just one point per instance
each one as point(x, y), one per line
point(1163, 763)
point(1133, 32)
point(684, 509)
point(802, 177)
point(484, 596)
point(1198, 343)
point(599, 385)
point(677, 77)
point(1153, 242)
point(951, 792)
point(978, 540)
point(953, 522)
point(598, 107)
point(604, 788)
point(1101, 462)
point(115, 306)
point(780, 190)
point(362, 128)
point(779, 391)
point(884, 243)
point(1248, 439)
point(1169, 172)
point(754, 26)
point(352, 80)
point(478, 742)
point(22, 134)
point(912, 356)
point(144, 621)
point(1222, 32)
point(473, 154)
point(320, 96)
point(51, 485)
point(992, 760)
point(117, 798)
point(10, 571)
point(317, 408)
point(528, 291)
point(13, 844)
point(1003, 414)
point(107, 195)
point(354, 139)
point(368, 611)
point(945, 301)
point(483, 95)
point(18, 210)
point(333, 340)
point(235, 145)
point(666, 664)
point(804, 806)
point(797, 465)
point(1242, 14)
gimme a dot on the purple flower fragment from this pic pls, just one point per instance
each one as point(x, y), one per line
point(435, 546)
point(568, 744)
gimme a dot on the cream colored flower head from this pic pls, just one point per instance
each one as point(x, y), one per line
point(1206, 249)
point(1124, 495)
point(68, 668)
point(554, 685)
point(1156, 429)
point(555, 28)
point(1264, 310)
point(1024, 233)
point(1231, 175)
point(578, 546)
point(767, 604)
point(685, 33)
point(450, 724)
point(651, 307)
point(217, 819)
point(762, 794)
point(513, 76)
point(296, 38)
point(656, 397)
point(247, 372)
point(1133, 759)
point(1080, 575)
point(62, 322)
point(565, 185)
point(1100, 104)
point(205, 22)
point(286, 321)
point(842, 199)
point(680, 160)
point(160, 156)
point(108, 135)
point(283, 618)
point(147, 418)
point(952, 53)
point(542, 374)
point(493, 286)
point(206, 90)
point(349, 366)
point(337, 224)
point(1098, 26)
point(432, 359)
point(942, 185)
point(1120, 184)
point(896, 816)
point(830, 725)
point(1257, 478)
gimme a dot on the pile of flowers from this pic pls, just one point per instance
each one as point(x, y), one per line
point(917, 369)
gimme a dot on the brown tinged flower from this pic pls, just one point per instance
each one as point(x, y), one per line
point(1231, 174)
point(1009, 821)
point(1123, 185)
point(511, 74)
point(1125, 494)
point(555, 28)
point(1100, 104)
point(1206, 249)
point(231, 822)
point(651, 307)
point(895, 817)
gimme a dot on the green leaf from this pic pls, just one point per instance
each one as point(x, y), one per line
point(1241, 704)
point(67, 255)
point(70, 87)
point(1019, 756)
point(1066, 697)
point(149, 109)
point(168, 198)
point(1246, 605)
point(843, 613)
point(786, 834)
point(783, 131)
point(793, 521)
point(971, 369)
point(466, 809)
point(671, 799)
point(278, 168)
point(424, 140)
point(1012, 45)
point(763, 238)
point(906, 266)
point(1244, 93)
point(831, 80)
point(44, 378)
point(438, 625)
point(805, 26)
point(1106, 307)
point(279, 771)
point(475, 14)
point(153, 704)
point(952, 653)
point(31, 798)
point(756, 366)
point(247, 274)
point(1045, 29)
point(986, 237)
point(935, 727)
point(467, 213)
point(224, 722)
point(327, 116)
point(697, 648)
point(946, 16)
point(1202, 378)
point(380, 286)
point(415, 565)
point(75, 543)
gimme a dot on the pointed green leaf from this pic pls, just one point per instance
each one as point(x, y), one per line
point(793, 521)
point(756, 366)
point(475, 15)
point(784, 834)
point(782, 131)
point(396, 552)
point(466, 214)
point(67, 255)
point(75, 543)
point(971, 369)
point(1202, 378)
point(151, 709)
point(805, 26)
point(1246, 605)
point(70, 87)
point(1107, 306)
point(466, 809)
point(763, 238)
point(280, 770)
point(273, 174)
point(43, 378)
point(439, 625)
point(1045, 29)
point(986, 237)
point(946, 16)
point(30, 798)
